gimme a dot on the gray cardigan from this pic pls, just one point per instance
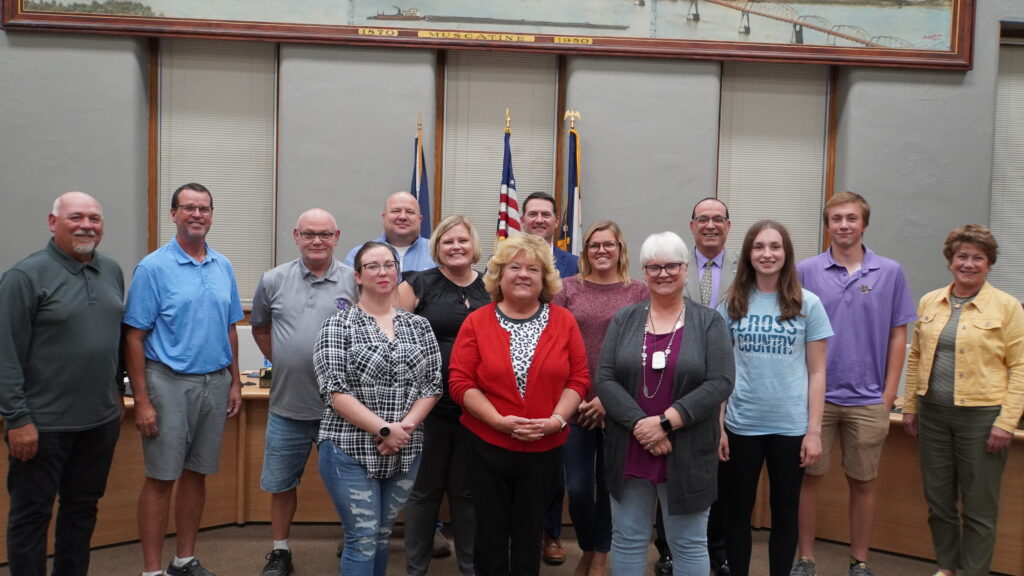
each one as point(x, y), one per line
point(703, 379)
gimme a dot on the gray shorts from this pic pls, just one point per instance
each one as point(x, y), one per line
point(191, 410)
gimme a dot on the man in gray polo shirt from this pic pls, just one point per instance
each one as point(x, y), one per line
point(291, 303)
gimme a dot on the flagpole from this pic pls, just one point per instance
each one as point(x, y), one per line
point(572, 235)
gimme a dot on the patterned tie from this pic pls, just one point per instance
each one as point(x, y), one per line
point(705, 284)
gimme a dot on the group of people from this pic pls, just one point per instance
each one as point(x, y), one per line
point(416, 376)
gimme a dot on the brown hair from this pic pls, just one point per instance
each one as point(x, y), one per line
point(789, 295)
point(508, 249)
point(847, 198)
point(622, 268)
point(975, 234)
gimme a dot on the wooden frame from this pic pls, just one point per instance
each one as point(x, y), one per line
point(845, 32)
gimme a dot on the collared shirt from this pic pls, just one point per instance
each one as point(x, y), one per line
point(353, 356)
point(415, 259)
point(295, 303)
point(186, 306)
point(863, 307)
point(989, 367)
point(716, 273)
point(60, 332)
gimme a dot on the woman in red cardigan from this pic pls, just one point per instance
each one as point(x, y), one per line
point(519, 370)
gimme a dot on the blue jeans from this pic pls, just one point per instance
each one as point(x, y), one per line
point(633, 515)
point(367, 507)
point(288, 443)
point(589, 503)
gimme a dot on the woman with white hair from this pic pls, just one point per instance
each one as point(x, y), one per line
point(666, 367)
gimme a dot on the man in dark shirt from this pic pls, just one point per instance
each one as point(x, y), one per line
point(60, 332)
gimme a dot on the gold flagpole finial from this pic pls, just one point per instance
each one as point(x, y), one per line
point(508, 121)
point(419, 121)
point(573, 116)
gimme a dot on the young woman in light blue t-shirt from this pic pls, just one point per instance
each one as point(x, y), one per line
point(773, 416)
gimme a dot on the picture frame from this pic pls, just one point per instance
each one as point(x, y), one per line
point(891, 33)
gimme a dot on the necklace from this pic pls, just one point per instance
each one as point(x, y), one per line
point(659, 358)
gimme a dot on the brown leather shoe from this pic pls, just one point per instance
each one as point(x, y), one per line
point(554, 554)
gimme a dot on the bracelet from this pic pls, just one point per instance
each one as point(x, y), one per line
point(561, 421)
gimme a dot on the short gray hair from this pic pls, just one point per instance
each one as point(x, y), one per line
point(664, 245)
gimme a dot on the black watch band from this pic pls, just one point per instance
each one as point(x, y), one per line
point(666, 425)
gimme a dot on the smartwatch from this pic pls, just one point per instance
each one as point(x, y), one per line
point(666, 425)
point(384, 431)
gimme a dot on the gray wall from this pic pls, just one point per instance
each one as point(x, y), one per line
point(341, 112)
point(73, 115)
point(918, 144)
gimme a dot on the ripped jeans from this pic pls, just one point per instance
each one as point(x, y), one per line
point(368, 508)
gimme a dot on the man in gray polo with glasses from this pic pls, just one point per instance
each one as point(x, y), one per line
point(291, 303)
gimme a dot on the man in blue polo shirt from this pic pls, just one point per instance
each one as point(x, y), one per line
point(869, 306)
point(402, 220)
point(181, 351)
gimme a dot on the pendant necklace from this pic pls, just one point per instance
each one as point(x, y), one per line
point(659, 358)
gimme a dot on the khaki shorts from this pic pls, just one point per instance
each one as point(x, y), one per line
point(862, 430)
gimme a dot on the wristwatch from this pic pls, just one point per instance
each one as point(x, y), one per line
point(561, 421)
point(384, 431)
point(665, 424)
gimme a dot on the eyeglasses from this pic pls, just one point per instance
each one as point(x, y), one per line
point(374, 267)
point(672, 269)
point(190, 208)
point(706, 219)
point(325, 236)
point(608, 246)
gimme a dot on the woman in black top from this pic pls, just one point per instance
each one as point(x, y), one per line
point(444, 296)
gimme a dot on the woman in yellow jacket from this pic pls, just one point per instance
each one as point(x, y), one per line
point(964, 396)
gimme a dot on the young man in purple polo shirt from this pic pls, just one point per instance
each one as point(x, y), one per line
point(869, 305)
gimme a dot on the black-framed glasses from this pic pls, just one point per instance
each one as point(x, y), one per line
point(706, 219)
point(672, 269)
point(190, 208)
point(325, 236)
point(608, 246)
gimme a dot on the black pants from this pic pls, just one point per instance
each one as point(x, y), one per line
point(510, 493)
point(718, 519)
point(746, 456)
point(73, 465)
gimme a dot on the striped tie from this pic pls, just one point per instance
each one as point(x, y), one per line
point(705, 284)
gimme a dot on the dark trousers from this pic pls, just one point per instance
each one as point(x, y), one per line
point(746, 456)
point(73, 465)
point(444, 468)
point(556, 501)
point(510, 492)
point(589, 503)
point(718, 519)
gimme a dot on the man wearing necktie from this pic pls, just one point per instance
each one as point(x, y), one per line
point(709, 276)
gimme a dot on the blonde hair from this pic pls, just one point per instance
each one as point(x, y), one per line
point(622, 269)
point(443, 228)
point(533, 246)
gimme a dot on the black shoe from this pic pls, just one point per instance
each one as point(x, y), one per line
point(664, 565)
point(723, 569)
point(193, 568)
point(279, 563)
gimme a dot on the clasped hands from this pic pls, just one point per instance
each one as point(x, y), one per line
point(649, 433)
point(398, 438)
point(529, 429)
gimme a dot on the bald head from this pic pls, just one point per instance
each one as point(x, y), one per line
point(316, 234)
point(401, 219)
point(76, 222)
